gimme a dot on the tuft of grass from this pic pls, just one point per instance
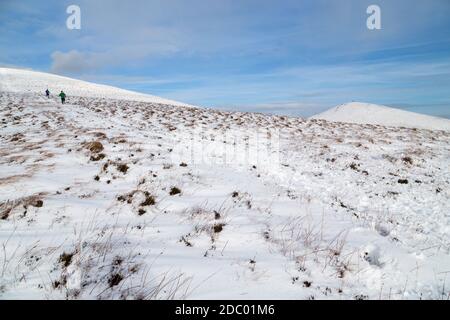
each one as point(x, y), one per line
point(114, 279)
point(66, 259)
point(407, 160)
point(186, 241)
point(353, 166)
point(117, 261)
point(95, 146)
point(5, 213)
point(122, 198)
point(123, 168)
point(98, 157)
point(57, 283)
point(7, 206)
point(149, 200)
point(100, 135)
point(37, 203)
point(218, 227)
point(174, 191)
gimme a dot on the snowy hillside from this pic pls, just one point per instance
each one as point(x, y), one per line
point(365, 113)
point(120, 199)
point(19, 80)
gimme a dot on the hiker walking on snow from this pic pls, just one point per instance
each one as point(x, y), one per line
point(47, 93)
point(63, 97)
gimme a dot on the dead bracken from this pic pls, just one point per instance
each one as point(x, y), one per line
point(122, 168)
point(66, 259)
point(149, 199)
point(217, 228)
point(97, 157)
point(407, 160)
point(95, 146)
point(174, 191)
point(37, 203)
point(114, 279)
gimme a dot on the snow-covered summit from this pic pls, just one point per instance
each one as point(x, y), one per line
point(366, 113)
point(21, 80)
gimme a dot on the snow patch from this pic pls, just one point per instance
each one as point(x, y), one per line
point(20, 80)
point(365, 113)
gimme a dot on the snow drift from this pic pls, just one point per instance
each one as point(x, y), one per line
point(365, 113)
point(20, 80)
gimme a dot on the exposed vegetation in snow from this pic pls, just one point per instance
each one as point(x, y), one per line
point(107, 198)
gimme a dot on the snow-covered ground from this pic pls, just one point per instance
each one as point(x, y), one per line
point(109, 198)
point(21, 80)
point(366, 113)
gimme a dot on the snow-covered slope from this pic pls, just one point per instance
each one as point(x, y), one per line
point(365, 113)
point(119, 199)
point(20, 80)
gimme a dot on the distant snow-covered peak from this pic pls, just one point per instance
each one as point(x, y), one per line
point(366, 113)
point(23, 81)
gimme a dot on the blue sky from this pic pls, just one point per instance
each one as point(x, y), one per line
point(287, 57)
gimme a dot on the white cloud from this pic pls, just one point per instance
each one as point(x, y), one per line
point(74, 62)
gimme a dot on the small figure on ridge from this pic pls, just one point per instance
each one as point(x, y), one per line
point(63, 97)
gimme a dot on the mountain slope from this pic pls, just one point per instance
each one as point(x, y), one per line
point(19, 80)
point(120, 199)
point(365, 113)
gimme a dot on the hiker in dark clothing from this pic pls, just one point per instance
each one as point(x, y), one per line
point(63, 97)
point(47, 93)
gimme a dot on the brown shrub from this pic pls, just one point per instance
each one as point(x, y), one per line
point(122, 168)
point(408, 160)
point(174, 191)
point(98, 157)
point(149, 200)
point(95, 146)
point(218, 227)
point(66, 258)
point(100, 135)
point(115, 279)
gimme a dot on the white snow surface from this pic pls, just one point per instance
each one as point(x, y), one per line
point(366, 113)
point(21, 80)
point(267, 207)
